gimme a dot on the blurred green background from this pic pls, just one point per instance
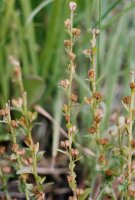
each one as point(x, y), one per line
point(33, 31)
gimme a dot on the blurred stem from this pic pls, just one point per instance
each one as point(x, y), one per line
point(13, 134)
point(4, 182)
point(99, 26)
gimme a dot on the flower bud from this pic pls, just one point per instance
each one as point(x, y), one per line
point(76, 31)
point(14, 124)
point(74, 152)
point(74, 97)
point(67, 23)
point(72, 6)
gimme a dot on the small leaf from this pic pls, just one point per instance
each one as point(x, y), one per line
point(24, 170)
point(123, 186)
point(42, 180)
point(40, 155)
point(85, 194)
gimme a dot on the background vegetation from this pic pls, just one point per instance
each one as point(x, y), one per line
point(33, 32)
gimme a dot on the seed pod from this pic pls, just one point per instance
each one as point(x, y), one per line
point(67, 43)
point(64, 143)
point(73, 129)
point(72, 56)
point(74, 152)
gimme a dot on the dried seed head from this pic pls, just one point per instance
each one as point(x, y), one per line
point(92, 130)
point(67, 23)
point(72, 6)
point(97, 119)
point(91, 74)
point(132, 86)
point(88, 100)
point(14, 124)
point(109, 172)
point(98, 96)
point(101, 158)
point(2, 150)
point(76, 31)
point(103, 141)
point(133, 143)
point(126, 100)
point(74, 97)
point(67, 43)
point(15, 148)
point(72, 56)
point(64, 83)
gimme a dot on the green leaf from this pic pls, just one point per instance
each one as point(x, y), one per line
point(4, 137)
point(35, 86)
point(40, 155)
point(24, 170)
point(123, 186)
point(85, 194)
